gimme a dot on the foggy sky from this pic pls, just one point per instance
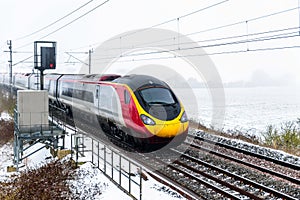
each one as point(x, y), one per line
point(20, 18)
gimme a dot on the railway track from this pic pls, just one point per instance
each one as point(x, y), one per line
point(204, 172)
point(294, 163)
point(266, 166)
point(210, 178)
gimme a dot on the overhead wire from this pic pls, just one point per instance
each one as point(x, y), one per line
point(56, 30)
point(258, 39)
point(75, 19)
point(265, 38)
point(76, 58)
point(177, 18)
point(164, 22)
point(56, 21)
point(219, 27)
point(210, 54)
point(22, 61)
point(244, 21)
point(214, 39)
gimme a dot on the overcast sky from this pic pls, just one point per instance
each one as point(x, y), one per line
point(20, 18)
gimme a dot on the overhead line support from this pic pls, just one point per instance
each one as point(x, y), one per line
point(9, 43)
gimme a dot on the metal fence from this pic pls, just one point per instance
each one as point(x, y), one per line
point(122, 171)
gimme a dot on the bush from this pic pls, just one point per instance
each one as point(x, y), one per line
point(287, 137)
point(6, 131)
point(46, 182)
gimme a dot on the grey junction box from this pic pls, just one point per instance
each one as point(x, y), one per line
point(33, 110)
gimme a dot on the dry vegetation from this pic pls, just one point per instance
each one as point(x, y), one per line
point(286, 138)
point(46, 182)
point(7, 101)
point(7, 104)
point(6, 131)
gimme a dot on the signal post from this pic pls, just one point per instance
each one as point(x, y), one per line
point(44, 58)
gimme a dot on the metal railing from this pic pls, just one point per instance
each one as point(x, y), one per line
point(119, 169)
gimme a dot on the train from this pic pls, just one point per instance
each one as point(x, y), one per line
point(139, 109)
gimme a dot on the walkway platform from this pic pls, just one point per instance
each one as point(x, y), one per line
point(25, 137)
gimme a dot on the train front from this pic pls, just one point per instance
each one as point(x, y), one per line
point(161, 116)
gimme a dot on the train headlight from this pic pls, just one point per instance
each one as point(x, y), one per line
point(147, 120)
point(184, 117)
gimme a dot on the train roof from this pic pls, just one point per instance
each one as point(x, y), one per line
point(92, 78)
point(100, 77)
point(137, 81)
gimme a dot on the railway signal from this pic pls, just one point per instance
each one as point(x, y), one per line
point(48, 58)
point(44, 58)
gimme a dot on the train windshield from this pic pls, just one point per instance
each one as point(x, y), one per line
point(157, 96)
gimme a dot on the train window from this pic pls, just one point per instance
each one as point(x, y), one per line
point(126, 97)
point(157, 96)
point(87, 96)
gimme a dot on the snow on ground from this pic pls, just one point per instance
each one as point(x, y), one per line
point(5, 116)
point(34, 161)
point(255, 148)
point(6, 159)
point(91, 183)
